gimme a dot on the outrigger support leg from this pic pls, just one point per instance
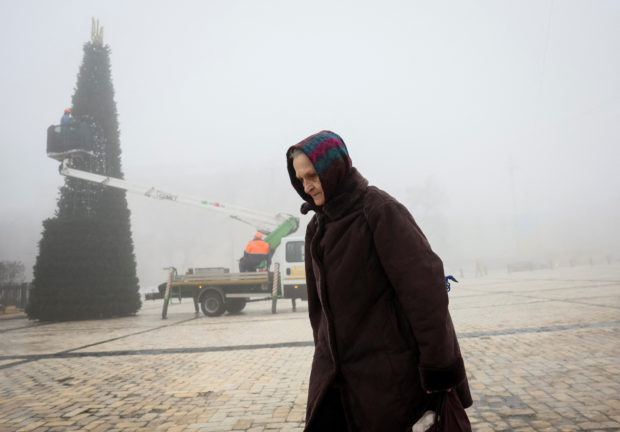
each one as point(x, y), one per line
point(196, 303)
point(164, 311)
point(274, 289)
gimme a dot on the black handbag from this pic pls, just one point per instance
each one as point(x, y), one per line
point(451, 415)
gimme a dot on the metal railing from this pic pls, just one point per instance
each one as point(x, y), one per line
point(14, 295)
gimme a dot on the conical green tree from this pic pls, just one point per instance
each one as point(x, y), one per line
point(86, 266)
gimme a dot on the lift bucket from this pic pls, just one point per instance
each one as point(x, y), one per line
point(67, 140)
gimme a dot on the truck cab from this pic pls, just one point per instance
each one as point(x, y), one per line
point(290, 256)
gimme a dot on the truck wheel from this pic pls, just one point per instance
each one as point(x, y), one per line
point(212, 304)
point(235, 305)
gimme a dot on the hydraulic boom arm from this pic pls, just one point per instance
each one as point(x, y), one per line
point(279, 224)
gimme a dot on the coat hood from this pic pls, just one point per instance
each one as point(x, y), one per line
point(330, 158)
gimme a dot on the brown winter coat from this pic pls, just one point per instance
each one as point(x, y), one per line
point(378, 307)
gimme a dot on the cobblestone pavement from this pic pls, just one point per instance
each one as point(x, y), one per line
point(542, 350)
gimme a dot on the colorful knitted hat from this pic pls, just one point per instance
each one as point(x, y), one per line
point(330, 157)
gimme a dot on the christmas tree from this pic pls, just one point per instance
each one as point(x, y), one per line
point(86, 266)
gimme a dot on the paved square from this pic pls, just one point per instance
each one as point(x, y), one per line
point(542, 349)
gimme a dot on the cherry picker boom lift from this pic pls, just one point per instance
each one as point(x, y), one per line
point(216, 290)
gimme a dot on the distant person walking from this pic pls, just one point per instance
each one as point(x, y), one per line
point(479, 269)
point(386, 355)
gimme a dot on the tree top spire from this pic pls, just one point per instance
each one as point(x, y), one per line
point(96, 33)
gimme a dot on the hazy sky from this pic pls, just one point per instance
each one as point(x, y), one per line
point(495, 122)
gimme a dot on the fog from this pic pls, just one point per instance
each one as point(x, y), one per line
point(495, 122)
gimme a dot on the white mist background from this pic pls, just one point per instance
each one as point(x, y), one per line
point(495, 122)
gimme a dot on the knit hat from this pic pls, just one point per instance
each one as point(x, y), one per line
point(330, 157)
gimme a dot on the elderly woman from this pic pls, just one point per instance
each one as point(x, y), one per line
point(385, 348)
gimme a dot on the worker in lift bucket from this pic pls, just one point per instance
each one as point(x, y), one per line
point(66, 118)
point(256, 251)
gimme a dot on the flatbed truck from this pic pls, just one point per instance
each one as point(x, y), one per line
point(217, 291)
